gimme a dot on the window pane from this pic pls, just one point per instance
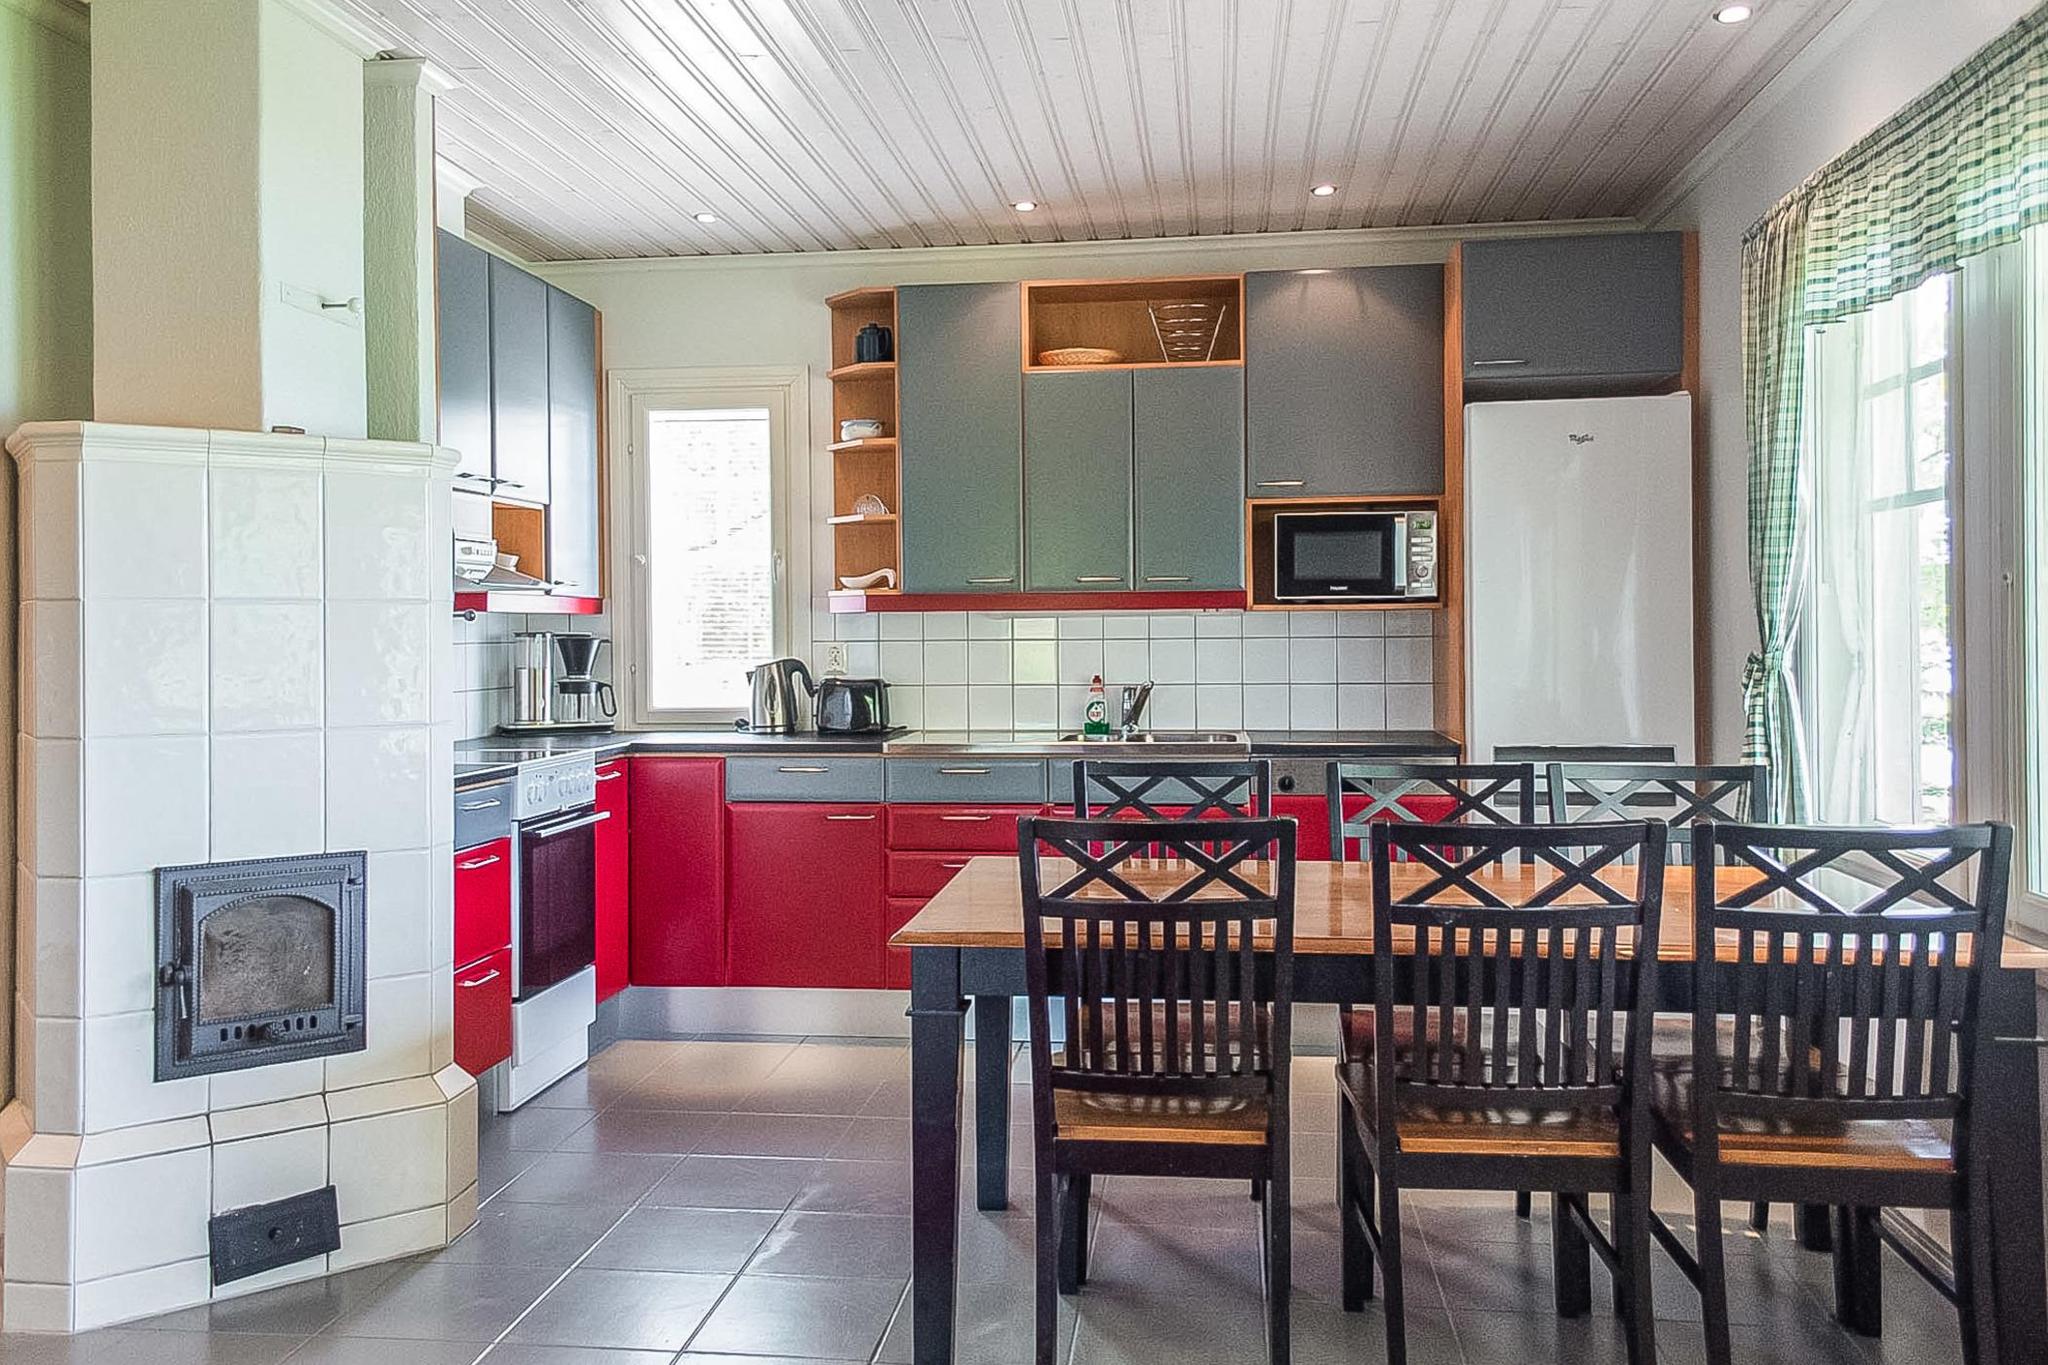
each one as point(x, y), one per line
point(710, 556)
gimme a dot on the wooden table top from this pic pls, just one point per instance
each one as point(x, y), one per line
point(983, 906)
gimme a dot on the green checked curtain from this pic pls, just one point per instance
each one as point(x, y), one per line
point(1961, 169)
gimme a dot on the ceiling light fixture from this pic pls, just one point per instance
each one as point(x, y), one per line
point(1323, 191)
point(1732, 14)
point(1025, 205)
point(706, 217)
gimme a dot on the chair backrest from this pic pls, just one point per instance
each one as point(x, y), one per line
point(1172, 789)
point(1679, 794)
point(1424, 793)
point(1843, 969)
point(1515, 979)
point(1154, 957)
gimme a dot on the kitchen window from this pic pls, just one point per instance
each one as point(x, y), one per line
point(708, 509)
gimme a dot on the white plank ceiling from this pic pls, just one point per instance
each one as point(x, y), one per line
point(601, 128)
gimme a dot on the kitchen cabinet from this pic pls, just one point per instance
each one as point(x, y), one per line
point(1188, 481)
point(463, 323)
point(483, 1013)
point(573, 485)
point(1343, 381)
point(960, 437)
point(1077, 481)
point(519, 382)
point(928, 845)
point(676, 859)
point(1311, 816)
point(804, 907)
point(483, 900)
point(482, 984)
point(614, 910)
point(1584, 314)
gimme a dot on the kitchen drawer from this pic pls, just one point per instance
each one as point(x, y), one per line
point(966, 779)
point(483, 1013)
point(799, 778)
point(924, 874)
point(483, 899)
point(896, 961)
point(956, 829)
point(483, 814)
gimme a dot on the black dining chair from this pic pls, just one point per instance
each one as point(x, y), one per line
point(1178, 1038)
point(1176, 789)
point(1526, 1000)
point(1836, 1032)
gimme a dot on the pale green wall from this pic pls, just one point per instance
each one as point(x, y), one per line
point(45, 317)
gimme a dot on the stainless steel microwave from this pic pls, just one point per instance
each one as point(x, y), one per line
point(1367, 555)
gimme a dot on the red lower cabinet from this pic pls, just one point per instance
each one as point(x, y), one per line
point(1312, 815)
point(483, 1013)
point(613, 880)
point(483, 899)
point(676, 862)
point(804, 907)
point(928, 845)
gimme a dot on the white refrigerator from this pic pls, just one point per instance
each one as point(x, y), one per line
point(1579, 574)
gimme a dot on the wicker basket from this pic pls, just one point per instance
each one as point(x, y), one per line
point(1080, 355)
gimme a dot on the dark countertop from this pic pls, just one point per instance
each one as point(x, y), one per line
point(1353, 744)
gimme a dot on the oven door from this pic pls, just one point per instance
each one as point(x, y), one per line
point(557, 919)
point(1340, 556)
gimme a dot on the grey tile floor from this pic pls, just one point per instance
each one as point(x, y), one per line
point(711, 1200)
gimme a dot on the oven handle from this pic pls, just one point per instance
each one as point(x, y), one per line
point(568, 826)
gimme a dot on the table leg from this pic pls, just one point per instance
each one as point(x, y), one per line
point(991, 1102)
point(2009, 1089)
point(938, 1015)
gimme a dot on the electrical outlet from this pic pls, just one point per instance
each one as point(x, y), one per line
point(835, 657)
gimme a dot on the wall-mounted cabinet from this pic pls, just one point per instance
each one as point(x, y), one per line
point(1343, 382)
point(1188, 457)
point(519, 383)
point(1581, 315)
point(1077, 481)
point(463, 305)
point(574, 515)
point(864, 468)
point(1187, 320)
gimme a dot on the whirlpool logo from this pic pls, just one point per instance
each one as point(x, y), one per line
point(1579, 438)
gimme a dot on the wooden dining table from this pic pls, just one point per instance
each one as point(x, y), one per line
point(967, 951)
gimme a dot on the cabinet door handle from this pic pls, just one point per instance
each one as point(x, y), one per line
point(1166, 578)
point(803, 768)
point(1282, 483)
point(1099, 578)
point(486, 979)
point(474, 863)
point(952, 867)
point(482, 805)
point(1514, 361)
point(968, 819)
point(612, 776)
point(1007, 578)
point(849, 817)
point(963, 772)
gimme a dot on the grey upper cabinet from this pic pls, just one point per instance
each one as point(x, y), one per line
point(960, 429)
point(573, 525)
point(1343, 381)
point(1077, 481)
point(463, 324)
point(1602, 313)
point(1188, 427)
point(519, 382)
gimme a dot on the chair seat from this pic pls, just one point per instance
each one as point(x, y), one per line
point(1865, 1144)
point(1092, 1116)
point(1427, 1127)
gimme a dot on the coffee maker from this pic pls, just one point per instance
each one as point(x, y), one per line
point(552, 683)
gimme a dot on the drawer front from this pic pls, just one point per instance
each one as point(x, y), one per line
point(483, 900)
point(923, 874)
point(956, 829)
point(966, 779)
point(896, 961)
point(822, 778)
point(483, 814)
point(483, 1013)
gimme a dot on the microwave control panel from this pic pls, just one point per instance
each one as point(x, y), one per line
point(1421, 577)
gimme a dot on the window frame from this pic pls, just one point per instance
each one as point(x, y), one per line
point(631, 395)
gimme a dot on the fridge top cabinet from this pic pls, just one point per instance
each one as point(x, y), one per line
point(1593, 314)
point(1343, 381)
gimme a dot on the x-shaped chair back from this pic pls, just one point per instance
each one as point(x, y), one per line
point(1152, 790)
point(1851, 965)
point(1149, 938)
point(1679, 794)
point(1362, 795)
point(1515, 958)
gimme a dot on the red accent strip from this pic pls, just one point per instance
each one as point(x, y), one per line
point(1038, 601)
point(536, 603)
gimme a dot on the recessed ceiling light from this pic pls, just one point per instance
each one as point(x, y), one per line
point(1732, 14)
point(1323, 191)
point(706, 217)
point(1025, 205)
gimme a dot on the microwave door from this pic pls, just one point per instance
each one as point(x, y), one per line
point(1337, 556)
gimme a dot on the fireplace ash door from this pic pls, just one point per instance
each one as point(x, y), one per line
point(259, 962)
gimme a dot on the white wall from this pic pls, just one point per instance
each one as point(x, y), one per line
point(1873, 59)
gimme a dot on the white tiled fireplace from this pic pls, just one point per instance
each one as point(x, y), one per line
point(233, 645)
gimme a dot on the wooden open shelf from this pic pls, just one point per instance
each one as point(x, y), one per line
point(878, 370)
point(861, 544)
point(1116, 315)
point(866, 445)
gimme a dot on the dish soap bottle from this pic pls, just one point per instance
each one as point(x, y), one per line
point(1095, 723)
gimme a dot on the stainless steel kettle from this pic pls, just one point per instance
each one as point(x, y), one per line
point(773, 709)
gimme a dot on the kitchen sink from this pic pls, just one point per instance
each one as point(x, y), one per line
point(1220, 737)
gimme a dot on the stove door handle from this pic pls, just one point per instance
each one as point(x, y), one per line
point(568, 826)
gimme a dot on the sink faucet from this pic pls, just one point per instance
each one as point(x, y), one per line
point(1133, 699)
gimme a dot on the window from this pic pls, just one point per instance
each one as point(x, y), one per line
point(1878, 667)
point(709, 509)
point(2033, 571)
